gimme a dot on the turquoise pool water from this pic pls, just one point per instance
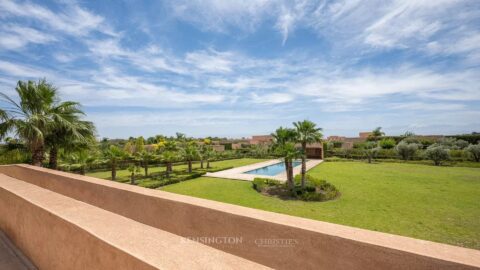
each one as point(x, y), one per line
point(273, 169)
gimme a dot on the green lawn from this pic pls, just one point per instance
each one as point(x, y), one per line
point(440, 204)
point(125, 174)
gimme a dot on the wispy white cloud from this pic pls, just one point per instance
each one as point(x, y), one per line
point(219, 15)
point(13, 36)
point(210, 61)
point(72, 19)
point(22, 71)
point(272, 98)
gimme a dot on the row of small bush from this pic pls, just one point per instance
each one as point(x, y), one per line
point(158, 183)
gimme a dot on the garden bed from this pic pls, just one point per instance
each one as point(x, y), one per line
point(314, 190)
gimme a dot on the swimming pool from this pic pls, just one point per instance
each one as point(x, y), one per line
point(273, 169)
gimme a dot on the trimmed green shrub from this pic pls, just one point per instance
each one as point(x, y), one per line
point(260, 183)
point(219, 169)
point(387, 143)
point(150, 184)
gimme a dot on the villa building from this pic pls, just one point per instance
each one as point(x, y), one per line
point(261, 139)
point(348, 142)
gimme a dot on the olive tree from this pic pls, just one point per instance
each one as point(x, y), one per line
point(474, 151)
point(406, 150)
point(437, 153)
point(370, 150)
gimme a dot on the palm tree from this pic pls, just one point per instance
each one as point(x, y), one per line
point(208, 155)
point(169, 155)
point(38, 114)
point(284, 140)
point(83, 159)
point(203, 151)
point(73, 136)
point(146, 156)
point(190, 153)
point(114, 154)
point(376, 133)
point(307, 133)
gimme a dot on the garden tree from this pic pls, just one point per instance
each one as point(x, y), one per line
point(209, 155)
point(169, 154)
point(189, 154)
point(259, 151)
point(452, 143)
point(474, 151)
point(181, 136)
point(437, 153)
point(202, 150)
point(370, 150)
point(146, 156)
point(133, 168)
point(387, 143)
point(139, 144)
point(461, 144)
point(406, 150)
point(376, 134)
point(78, 135)
point(38, 114)
point(151, 140)
point(82, 159)
point(284, 140)
point(307, 132)
point(129, 147)
point(114, 154)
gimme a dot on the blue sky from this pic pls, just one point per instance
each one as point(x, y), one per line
point(237, 68)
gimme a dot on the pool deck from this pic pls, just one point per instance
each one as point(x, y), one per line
point(239, 172)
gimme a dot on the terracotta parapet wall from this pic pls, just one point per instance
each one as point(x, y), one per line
point(300, 243)
point(57, 232)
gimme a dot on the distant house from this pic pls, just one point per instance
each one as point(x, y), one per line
point(236, 146)
point(364, 135)
point(348, 142)
point(261, 139)
point(218, 147)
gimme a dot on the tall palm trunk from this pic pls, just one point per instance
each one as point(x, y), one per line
point(288, 165)
point(304, 163)
point(189, 166)
point(201, 163)
point(114, 169)
point(291, 184)
point(38, 156)
point(167, 170)
point(132, 178)
point(53, 159)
